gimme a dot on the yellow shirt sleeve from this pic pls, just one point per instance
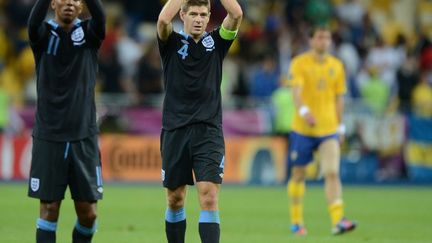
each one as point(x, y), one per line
point(295, 74)
point(340, 80)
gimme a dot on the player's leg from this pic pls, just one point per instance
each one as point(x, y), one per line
point(299, 155)
point(47, 222)
point(329, 151)
point(176, 174)
point(296, 191)
point(175, 215)
point(85, 182)
point(209, 229)
point(48, 185)
point(85, 225)
point(208, 149)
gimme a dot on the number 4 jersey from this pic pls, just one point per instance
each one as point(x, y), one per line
point(193, 74)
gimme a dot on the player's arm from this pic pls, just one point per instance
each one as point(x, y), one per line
point(302, 109)
point(37, 16)
point(98, 17)
point(296, 91)
point(340, 101)
point(164, 23)
point(339, 113)
point(296, 81)
point(232, 21)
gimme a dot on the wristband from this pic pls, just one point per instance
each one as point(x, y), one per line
point(341, 129)
point(303, 110)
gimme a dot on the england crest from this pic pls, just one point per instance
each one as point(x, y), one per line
point(34, 184)
point(78, 36)
point(208, 42)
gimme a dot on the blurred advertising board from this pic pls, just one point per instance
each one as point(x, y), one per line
point(129, 158)
point(419, 156)
point(259, 160)
point(15, 156)
point(419, 149)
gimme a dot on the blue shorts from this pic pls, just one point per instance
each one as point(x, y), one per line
point(56, 165)
point(301, 147)
point(193, 151)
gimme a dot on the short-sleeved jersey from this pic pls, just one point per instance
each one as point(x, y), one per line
point(66, 68)
point(321, 83)
point(192, 78)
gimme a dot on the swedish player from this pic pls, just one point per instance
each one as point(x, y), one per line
point(65, 148)
point(318, 84)
point(192, 143)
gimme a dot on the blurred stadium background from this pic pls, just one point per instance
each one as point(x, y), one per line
point(386, 48)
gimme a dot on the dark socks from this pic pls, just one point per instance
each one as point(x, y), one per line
point(44, 236)
point(175, 225)
point(175, 232)
point(209, 232)
point(45, 231)
point(82, 234)
point(209, 226)
point(77, 237)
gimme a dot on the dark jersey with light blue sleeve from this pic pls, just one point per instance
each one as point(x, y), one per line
point(66, 68)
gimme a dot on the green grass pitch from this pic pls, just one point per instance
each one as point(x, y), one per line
point(135, 213)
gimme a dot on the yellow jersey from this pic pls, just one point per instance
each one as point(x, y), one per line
point(321, 83)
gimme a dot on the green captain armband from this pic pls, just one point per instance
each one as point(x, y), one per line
point(227, 34)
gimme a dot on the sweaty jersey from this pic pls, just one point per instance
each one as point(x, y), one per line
point(192, 78)
point(66, 68)
point(321, 83)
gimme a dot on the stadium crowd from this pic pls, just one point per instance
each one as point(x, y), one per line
point(385, 46)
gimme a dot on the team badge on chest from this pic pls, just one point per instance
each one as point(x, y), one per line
point(78, 36)
point(208, 43)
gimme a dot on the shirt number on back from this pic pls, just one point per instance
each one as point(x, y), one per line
point(183, 51)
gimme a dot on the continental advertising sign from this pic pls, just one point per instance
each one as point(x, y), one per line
point(256, 160)
point(248, 160)
point(130, 158)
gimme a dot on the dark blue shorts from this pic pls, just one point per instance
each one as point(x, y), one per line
point(301, 147)
point(56, 165)
point(194, 150)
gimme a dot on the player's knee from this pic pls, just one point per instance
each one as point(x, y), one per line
point(298, 175)
point(86, 212)
point(88, 217)
point(175, 201)
point(331, 174)
point(209, 200)
point(50, 211)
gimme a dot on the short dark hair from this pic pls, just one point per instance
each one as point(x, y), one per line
point(188, 3)
point(317, 28)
